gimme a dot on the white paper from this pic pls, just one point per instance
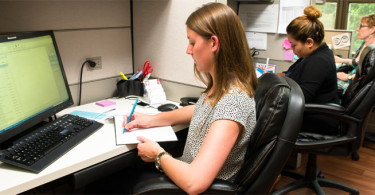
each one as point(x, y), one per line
point(158, 134)
point(289, 10)
point(266, 67)
point(341, 40)
point(257, 40)
point(259, 72)
point(154, 92)
point(259, 17)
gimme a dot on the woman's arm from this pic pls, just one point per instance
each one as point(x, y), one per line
point(343, 61)
point(179, 116)
point(196, 177)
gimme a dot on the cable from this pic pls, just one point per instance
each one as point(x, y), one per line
point(254, 52)
point(92, 64)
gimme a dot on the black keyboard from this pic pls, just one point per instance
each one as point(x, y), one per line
point(37, 150)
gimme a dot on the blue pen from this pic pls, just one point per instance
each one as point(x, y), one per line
point(135, 76)
point(131, 113)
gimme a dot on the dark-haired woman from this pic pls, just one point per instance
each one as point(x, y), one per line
point(315, 69)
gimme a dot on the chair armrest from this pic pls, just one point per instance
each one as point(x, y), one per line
point(163, 185)
point(331, 110)
point(306, 141)
point(314, 141)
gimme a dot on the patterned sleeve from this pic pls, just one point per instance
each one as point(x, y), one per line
point(234, 106)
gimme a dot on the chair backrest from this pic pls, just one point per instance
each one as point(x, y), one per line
point(279, 109)
point(359, 98)
point(365, 75)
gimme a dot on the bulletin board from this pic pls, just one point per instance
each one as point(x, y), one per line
point(275, 49)
point(274, 43)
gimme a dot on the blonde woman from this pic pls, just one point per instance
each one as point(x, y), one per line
point(224, 116)
point(366, 33)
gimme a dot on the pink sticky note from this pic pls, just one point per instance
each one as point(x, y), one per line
point(287, 44)
point(288, 55)
point(105, 103)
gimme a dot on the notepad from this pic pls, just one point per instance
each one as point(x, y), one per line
point(157, 134)
point(105, 103)
point(89, 115)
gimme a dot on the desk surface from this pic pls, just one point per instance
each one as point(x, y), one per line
point(98, 147)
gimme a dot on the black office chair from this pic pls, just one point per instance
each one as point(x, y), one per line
point(356, 104)
point(279, 109)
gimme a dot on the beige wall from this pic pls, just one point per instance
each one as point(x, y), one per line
point(83, 29)
point(91, 28)
point(160, 37)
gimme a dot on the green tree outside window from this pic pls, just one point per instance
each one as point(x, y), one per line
point(328, 15)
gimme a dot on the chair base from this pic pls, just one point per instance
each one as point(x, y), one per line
point(370, 136)
point(312, 180)
point(316, 185)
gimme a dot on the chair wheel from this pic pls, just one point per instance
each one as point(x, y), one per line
point(321, 175)
point(355, 156)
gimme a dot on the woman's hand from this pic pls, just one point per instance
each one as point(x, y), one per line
point(138, 120)
point(148, 150)
point(339, 60)
point(342, 76)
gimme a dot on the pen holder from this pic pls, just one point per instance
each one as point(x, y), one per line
point(130, 87)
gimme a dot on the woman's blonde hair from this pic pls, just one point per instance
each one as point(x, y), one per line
point(369, 20)
point(234, 65)
point(307, 26)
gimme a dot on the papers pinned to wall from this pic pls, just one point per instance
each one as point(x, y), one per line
point(257, 40)
point(341, 40)
point(259, 17)
point(288, 51)
point(289, 10)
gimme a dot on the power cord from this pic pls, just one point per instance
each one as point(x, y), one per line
point(254, 52)
point(91, 64)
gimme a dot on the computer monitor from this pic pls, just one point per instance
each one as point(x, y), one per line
point(33, 85)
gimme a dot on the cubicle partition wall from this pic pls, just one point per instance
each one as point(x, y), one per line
point(103, 28)
point(338, 40)
point(83, 29)
point(274, 35)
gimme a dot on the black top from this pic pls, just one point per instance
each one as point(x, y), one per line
point(317, 78)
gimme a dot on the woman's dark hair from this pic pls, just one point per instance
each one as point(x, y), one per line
point(307, 26)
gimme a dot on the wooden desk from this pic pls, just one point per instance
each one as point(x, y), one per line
point(98, 147)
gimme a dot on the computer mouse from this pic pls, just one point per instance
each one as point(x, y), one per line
point(167, 107)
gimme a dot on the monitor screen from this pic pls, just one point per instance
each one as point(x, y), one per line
point(33, 84)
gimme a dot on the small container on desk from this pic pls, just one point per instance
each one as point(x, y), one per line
point(129, 87)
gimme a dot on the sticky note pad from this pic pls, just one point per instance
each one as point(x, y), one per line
point(105, 103)
point(89, 115)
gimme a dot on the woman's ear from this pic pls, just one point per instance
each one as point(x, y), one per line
point(214, 43)
point(372, 29)
point(309, 42)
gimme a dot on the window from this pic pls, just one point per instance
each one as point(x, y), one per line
point(346, 14)
point(329, 16)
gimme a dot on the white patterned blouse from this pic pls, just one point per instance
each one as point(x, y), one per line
point(235, 106)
